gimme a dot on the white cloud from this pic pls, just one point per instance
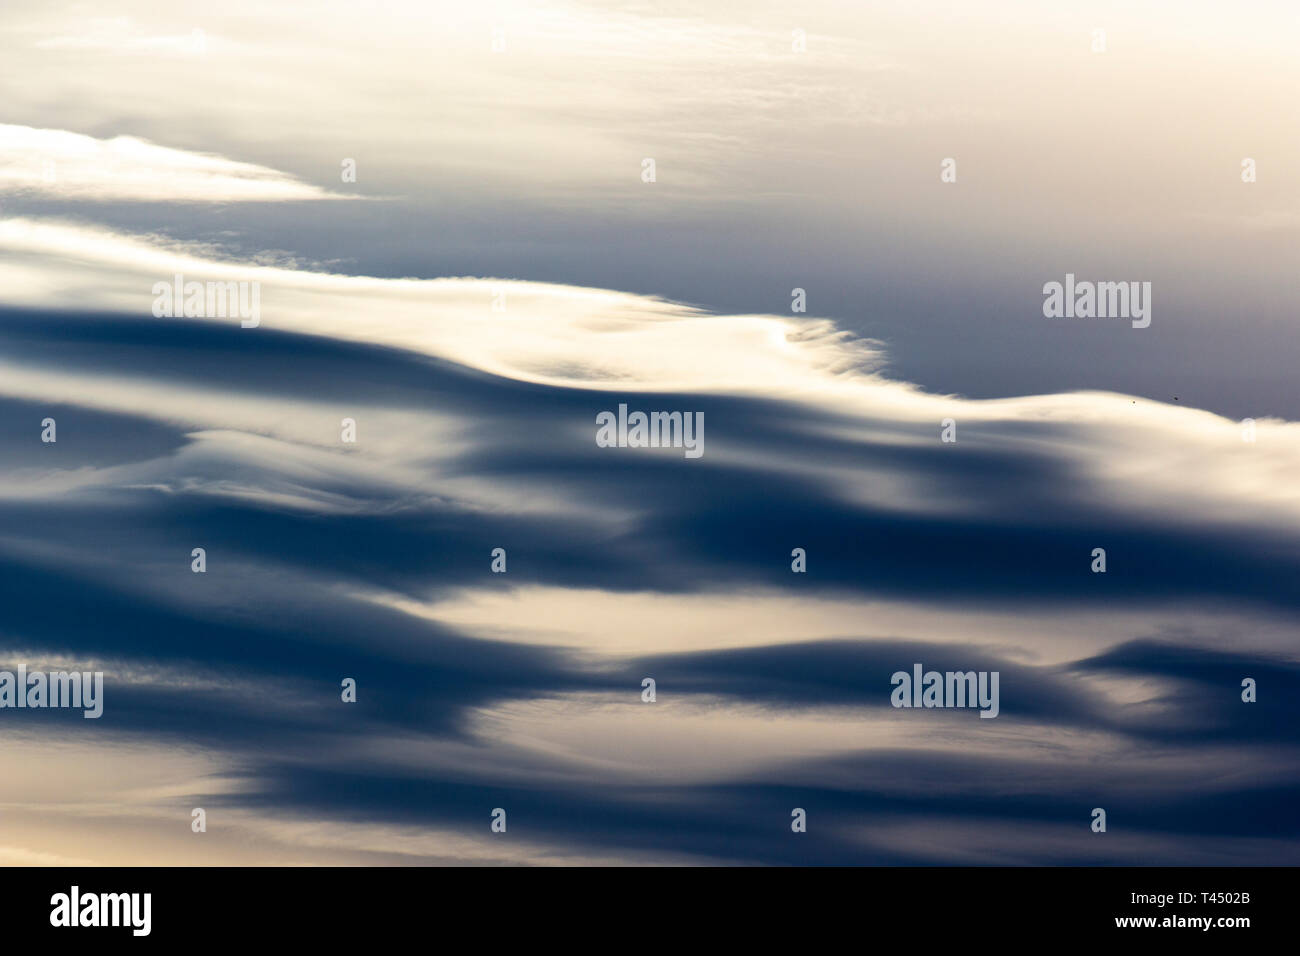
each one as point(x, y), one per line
point(1150, 458)
point(118, 35)
point(57, 164)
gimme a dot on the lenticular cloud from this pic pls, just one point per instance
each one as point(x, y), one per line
point(473, 405)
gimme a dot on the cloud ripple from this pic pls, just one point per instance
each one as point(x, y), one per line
point(477, 690)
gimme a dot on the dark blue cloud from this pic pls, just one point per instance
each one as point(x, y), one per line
point(101, 571)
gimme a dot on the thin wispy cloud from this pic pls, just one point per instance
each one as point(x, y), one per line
point(61, 165)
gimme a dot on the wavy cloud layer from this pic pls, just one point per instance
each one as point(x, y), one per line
point(476, 430)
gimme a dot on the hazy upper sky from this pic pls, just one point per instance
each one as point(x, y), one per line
point(775, 169)
point(497, 275)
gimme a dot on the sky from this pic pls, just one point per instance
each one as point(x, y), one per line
point(444, 229)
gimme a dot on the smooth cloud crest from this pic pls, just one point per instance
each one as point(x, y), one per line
point(1150, 458)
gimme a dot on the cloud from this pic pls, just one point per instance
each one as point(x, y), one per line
point(522, 690)
point(475, 400)
point(1154, 462)
point(62, 165)
point(118, 35)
